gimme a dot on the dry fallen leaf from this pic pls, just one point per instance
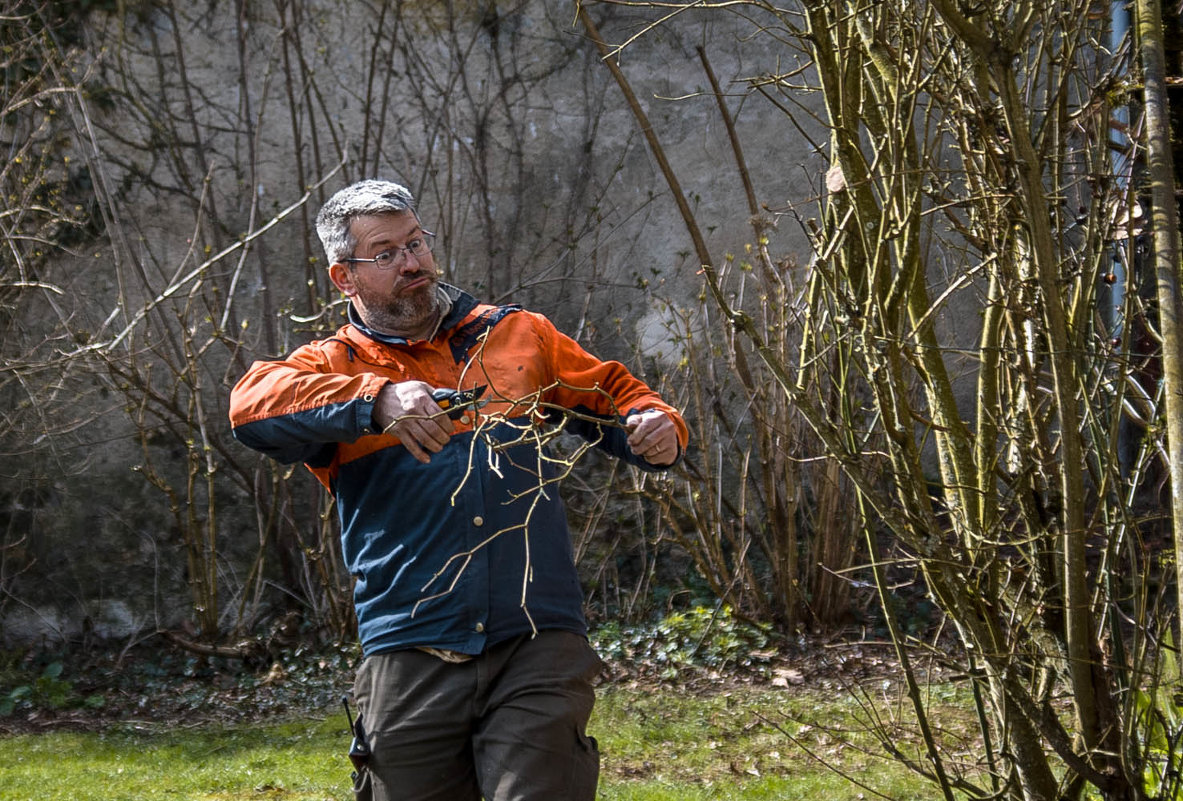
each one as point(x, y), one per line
point(783, 677)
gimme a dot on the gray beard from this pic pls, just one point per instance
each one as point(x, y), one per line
point(405, 315)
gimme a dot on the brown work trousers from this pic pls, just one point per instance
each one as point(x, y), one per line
point(509, 725)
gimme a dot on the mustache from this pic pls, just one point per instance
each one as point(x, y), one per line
point(433, 271)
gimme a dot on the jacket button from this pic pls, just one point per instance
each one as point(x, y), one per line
point(478, 521)
point(480, 628)
point(465, 419)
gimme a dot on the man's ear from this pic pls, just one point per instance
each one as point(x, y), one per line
point(342, 278)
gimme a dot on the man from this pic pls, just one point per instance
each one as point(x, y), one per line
point(476, 677)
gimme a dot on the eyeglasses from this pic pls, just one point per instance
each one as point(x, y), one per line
point(419, 247)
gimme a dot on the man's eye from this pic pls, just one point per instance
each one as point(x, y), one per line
point(415, 245)
point(384, 257)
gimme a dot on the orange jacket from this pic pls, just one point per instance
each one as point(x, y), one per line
point(484, 495)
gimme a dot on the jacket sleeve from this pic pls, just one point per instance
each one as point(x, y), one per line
point(296, 409)
point(601, 389)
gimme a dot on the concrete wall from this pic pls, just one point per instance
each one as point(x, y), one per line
point(203, 125)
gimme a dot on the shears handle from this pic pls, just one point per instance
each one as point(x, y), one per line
point(454, 402)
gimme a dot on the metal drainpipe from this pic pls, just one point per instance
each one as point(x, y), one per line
point(1113, 292)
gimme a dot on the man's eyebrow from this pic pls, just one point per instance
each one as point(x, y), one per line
point(387, 241)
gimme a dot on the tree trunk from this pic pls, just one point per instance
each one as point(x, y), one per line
point(1164, 218)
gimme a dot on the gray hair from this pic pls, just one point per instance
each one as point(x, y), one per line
point(357, 200)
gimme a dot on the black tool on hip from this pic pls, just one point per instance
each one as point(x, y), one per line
point(359, 749)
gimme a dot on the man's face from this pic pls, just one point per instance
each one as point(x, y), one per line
point(402, 299)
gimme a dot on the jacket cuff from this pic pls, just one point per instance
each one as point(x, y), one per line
point(367, 404)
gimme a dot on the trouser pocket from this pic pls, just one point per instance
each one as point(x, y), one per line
point(585, 774)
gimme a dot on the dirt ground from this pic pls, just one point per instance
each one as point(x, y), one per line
point(160, 682)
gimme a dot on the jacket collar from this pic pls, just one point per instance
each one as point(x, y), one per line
point(462, 304)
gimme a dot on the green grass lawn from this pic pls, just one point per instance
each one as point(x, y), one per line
point(288, 761)
point(671, 745)
point(656, 744)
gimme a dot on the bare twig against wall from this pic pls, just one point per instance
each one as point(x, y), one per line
point(200, 144)
point(967, 177)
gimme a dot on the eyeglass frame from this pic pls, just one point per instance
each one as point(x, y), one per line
point(398, 250)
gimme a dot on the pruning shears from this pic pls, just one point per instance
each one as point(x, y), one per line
point(455, 402)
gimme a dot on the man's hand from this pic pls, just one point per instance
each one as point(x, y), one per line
point(653, 437)
point(407, 411)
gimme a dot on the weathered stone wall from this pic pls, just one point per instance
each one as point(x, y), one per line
point(202, 125)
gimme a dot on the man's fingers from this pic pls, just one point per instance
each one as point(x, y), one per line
point(410, 413)
point(653, 437)
point(661, 453)
point(414, 449)
point(423, 435)
point(437, 430)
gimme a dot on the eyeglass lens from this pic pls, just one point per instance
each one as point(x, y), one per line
point(419, 246)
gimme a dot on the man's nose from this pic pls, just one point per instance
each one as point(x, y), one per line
point(407, 266)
